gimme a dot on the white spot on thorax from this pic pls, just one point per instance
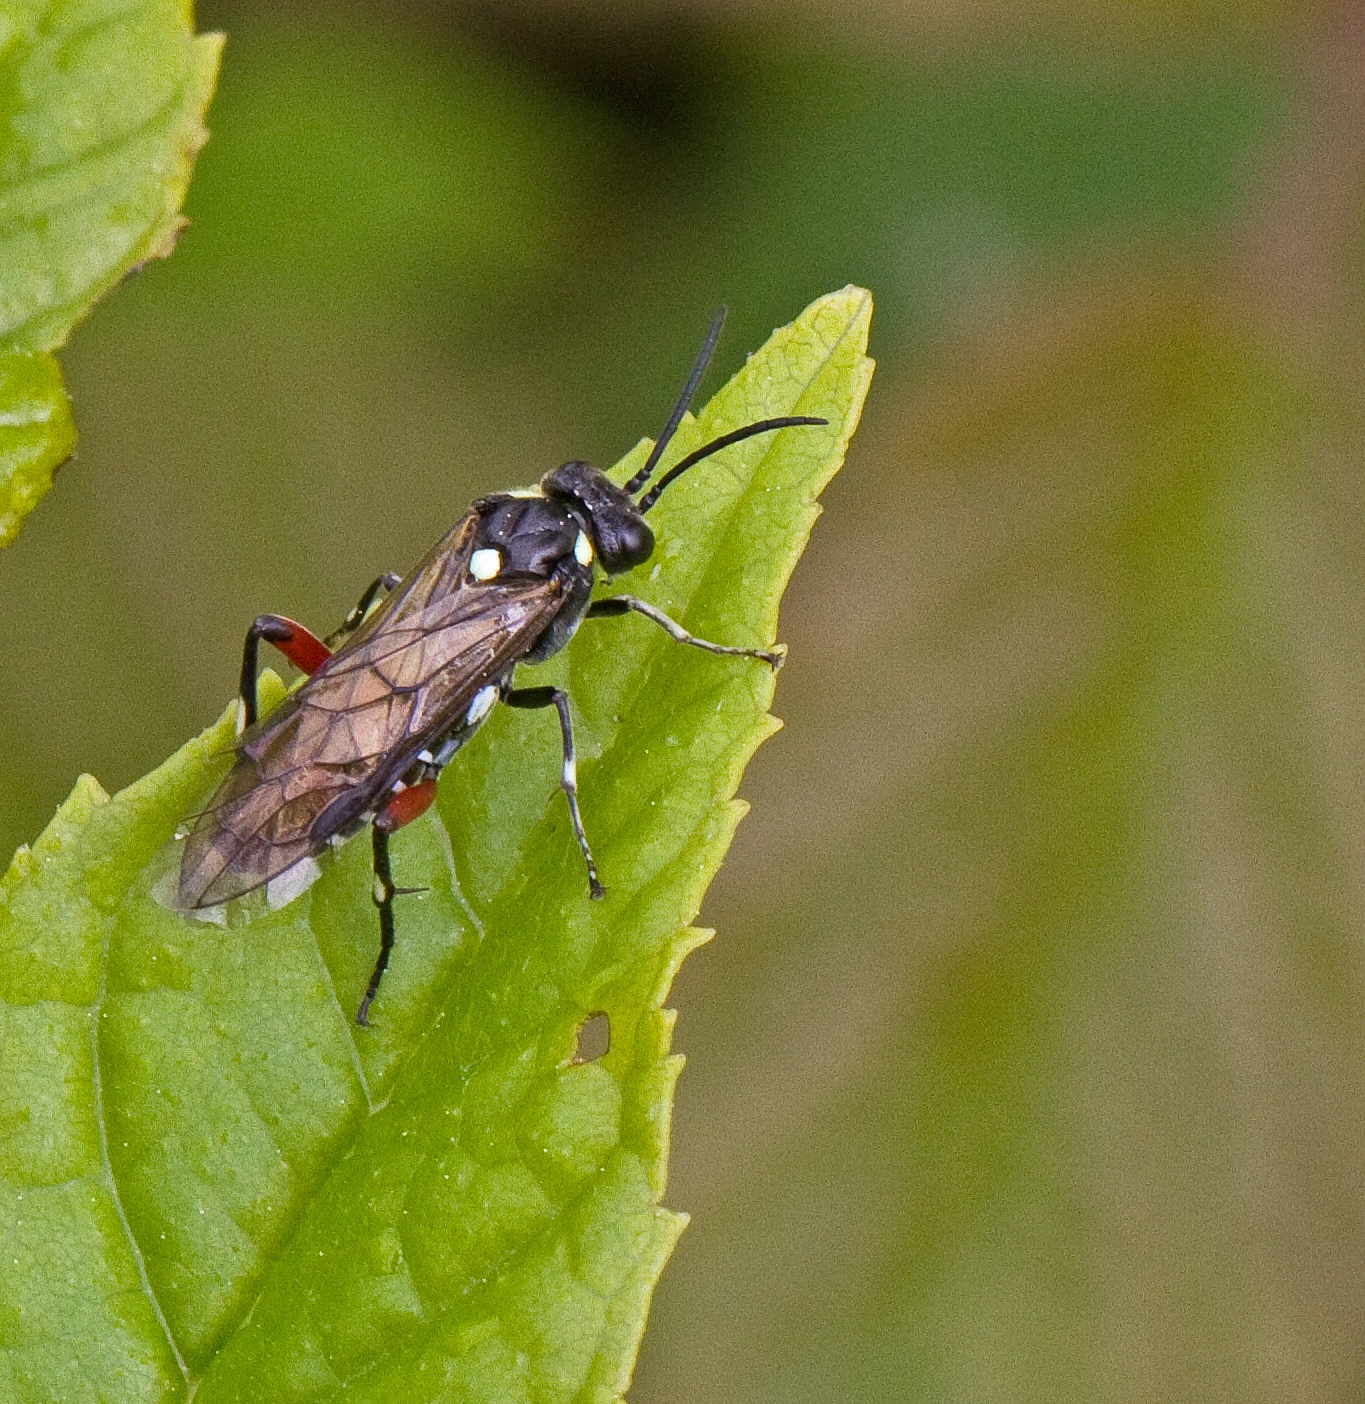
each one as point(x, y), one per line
point(582, 549)
point(482, 704)
point(485, 563)
point(285, 886)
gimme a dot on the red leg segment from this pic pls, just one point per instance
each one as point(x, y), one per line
point(300, 646)
point(405, 806)
point(303, 649)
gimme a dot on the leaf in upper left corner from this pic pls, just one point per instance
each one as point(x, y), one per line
point(101, 114)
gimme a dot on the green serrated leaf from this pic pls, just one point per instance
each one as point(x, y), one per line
point(101, 110)
point(208, 1179)
point(36, 434)
point(103, 105)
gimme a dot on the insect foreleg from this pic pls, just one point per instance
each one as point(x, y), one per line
point(568, 775)
point(402, 808)
point(381, 583)
point(623, 604)
point(302, 648)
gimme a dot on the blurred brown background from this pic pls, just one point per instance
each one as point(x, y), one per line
point(1029, 1063)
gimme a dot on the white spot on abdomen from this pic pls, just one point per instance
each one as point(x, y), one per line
point(482, 704)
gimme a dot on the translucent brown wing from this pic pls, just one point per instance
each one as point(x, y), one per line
point(333, 749)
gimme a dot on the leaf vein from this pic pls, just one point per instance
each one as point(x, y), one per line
point(106, 1164)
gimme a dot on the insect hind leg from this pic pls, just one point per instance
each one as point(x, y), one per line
point(568, 776)
point(402, 808)
point(300, 646)
point(617, 605)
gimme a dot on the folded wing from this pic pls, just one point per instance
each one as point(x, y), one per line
point(334, 748)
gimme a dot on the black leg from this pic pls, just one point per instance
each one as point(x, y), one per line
point(302, 648)
point(568, 775)
point(405, 804)
point(380, 584)
point(622, 604)
point(246, 687)
point(383, 894)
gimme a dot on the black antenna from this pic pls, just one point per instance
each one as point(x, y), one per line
point(762, 426)
point(689, 389)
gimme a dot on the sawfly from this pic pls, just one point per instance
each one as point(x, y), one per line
point(417, 666)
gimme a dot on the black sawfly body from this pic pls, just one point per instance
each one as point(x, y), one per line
point(398, 689)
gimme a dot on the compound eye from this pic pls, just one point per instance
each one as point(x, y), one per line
point(630, 543)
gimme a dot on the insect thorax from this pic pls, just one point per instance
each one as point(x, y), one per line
point(537, 536)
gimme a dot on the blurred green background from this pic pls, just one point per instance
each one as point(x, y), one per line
point(1029, 1063)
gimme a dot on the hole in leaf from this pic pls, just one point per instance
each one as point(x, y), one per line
point(594, 1038)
